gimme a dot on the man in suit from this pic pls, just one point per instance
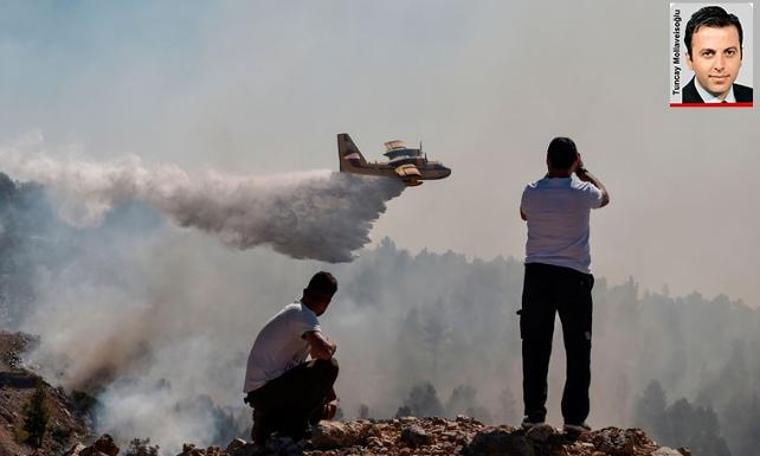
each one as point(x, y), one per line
point(713, 40)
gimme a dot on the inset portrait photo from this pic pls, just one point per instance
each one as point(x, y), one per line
point(710, 56)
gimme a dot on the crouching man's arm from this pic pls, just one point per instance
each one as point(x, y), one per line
point(331, 407)
point(320, 347)
point(324, 349)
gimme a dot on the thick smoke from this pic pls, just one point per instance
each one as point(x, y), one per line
point(318, 215)
point(157, 323)
point(140, 315)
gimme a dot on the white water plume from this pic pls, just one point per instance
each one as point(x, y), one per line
point(320, 215)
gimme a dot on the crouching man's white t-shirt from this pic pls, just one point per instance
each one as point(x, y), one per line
point(280, 345)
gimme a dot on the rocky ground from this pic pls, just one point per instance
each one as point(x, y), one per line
point(16, 387)
point(401, 436)
point(426, 436)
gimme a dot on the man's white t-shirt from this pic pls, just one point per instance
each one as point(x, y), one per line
point(280, 346)
point(558, 210)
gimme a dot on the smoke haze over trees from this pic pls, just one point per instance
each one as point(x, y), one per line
point(157, 320)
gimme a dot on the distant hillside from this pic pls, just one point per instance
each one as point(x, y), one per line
point(16, 387)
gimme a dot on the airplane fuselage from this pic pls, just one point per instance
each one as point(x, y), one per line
point(427, 171)
point(406, 164)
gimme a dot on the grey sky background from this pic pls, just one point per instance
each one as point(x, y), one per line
point(263, 87)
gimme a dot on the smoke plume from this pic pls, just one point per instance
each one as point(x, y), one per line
point(157, 324)
point(316, 214)
point(133, 312)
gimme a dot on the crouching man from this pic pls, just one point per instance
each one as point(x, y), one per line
point(287, 392)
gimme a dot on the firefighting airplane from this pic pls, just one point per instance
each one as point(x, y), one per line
point(409, 165)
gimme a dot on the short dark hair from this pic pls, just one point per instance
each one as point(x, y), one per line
point(711, 16)
point(562, 153)
point(322, 283)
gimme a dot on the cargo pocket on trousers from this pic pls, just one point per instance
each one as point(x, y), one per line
point(590, 283)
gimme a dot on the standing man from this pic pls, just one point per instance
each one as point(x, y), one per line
point(287, 392)
point(558, 279)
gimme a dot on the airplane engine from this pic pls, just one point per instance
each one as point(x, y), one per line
point(408, 171)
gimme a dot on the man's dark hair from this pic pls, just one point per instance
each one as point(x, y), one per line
point(322, 283)
point(562, 153)
point(712, 16)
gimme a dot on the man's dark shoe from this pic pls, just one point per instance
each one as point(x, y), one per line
point(528, 423)
point(297, 429)
point(576, 428)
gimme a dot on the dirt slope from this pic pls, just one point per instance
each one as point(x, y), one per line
point(16, 387)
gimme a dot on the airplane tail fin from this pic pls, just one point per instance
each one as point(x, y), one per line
point(348, 153)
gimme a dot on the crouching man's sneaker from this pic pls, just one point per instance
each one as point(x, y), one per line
point(528, 424)
point(576, 428)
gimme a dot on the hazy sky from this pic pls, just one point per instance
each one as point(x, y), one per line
point(263, 87)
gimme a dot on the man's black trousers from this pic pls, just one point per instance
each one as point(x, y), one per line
point(547, 290)
point(287, 403)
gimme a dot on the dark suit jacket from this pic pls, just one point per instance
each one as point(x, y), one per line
point(743, 94)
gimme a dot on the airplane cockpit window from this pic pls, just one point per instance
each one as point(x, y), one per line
point(402, 153)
